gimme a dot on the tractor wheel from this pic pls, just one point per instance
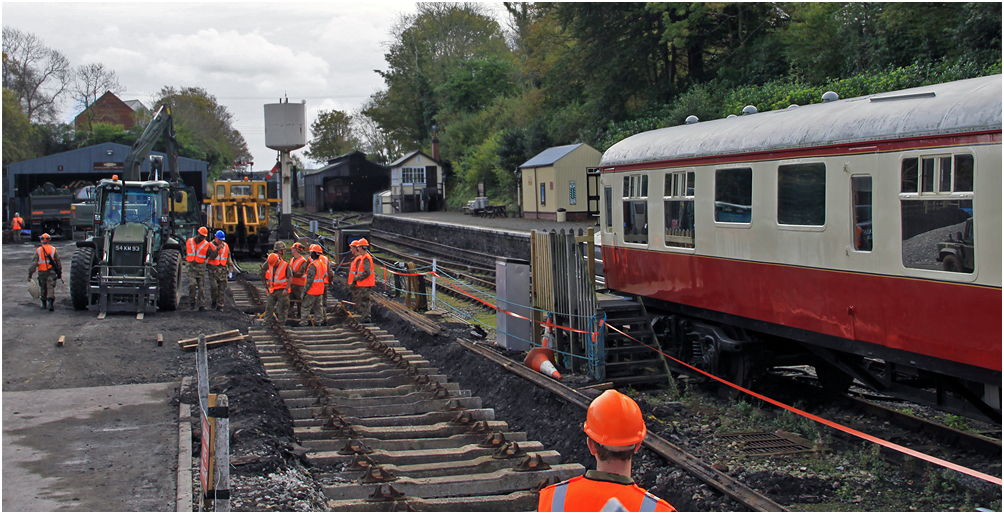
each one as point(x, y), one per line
point(80, 277)
point(169, 277)
point(951, 263)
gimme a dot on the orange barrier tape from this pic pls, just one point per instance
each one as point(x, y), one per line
point(838, 426)
point(513, 314)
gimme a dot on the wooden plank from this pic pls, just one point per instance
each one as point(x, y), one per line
point(216, 344)
point(214, 337)
point(61, 341)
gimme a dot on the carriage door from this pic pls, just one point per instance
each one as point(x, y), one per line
point(593, 191)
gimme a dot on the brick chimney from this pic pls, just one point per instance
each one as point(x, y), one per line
point(435, 143)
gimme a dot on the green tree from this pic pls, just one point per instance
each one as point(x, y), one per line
point(332, 132)
point(19, 138)
point(204, 128)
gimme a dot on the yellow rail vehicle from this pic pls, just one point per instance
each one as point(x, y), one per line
point(240, 208)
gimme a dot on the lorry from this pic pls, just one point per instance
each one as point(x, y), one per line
point(133, 260)
point(82, 210)
point(956, 254)
point(49, 207)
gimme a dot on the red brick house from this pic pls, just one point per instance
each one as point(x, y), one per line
point(110, 109)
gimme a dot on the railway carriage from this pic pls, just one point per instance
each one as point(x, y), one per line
point(861, 236)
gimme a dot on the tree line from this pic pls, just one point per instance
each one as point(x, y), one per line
point(560, 73)
point(37, 80)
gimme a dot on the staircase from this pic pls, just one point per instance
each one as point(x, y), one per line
point(629, 362)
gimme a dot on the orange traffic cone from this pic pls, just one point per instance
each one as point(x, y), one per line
point(539, 360)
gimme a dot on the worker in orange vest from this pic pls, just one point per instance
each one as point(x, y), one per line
point(220, 265)
point(16, 225)
point(317, 271)
point(361, 277)
point(615, 430)
point(277, 277)
point(298, 266)
point(197, 254)
point(49, 267)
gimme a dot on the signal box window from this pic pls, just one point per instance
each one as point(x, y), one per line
point(936, 208)
point(608, 208)
point(801, 194)
point(734, 195)
point(861, 203)
point(413, 176)
point(636, 209)
point(679, 209)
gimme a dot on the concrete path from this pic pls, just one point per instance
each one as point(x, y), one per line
point(91, 449)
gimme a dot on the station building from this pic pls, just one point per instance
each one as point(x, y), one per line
point(561, 182)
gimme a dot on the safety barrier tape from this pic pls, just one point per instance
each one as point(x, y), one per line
point(833, 424)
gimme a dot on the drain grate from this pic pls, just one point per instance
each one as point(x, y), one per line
point(765, 444)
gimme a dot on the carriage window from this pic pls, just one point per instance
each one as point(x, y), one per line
point(636, 209)
point(801, 194)
point(608, 208)
point(861, 203)
point(938, 234)
point(734, 195)
point(679, 209)
point(908, 176)
point(963, 173)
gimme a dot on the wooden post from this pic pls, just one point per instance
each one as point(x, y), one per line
point(221, 450)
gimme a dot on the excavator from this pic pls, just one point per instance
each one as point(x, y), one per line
point(133, 260)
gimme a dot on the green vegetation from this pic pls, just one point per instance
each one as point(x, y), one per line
point(561, 73)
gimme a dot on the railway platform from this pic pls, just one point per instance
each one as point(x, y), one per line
point(498, 223)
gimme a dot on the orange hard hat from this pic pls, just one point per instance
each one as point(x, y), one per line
point(298, 245)
point(355, 242)
point(362, 242)
point(45, 237)
point(272, 259)
point(203, 231)
point(614, 420)
point(316, 248)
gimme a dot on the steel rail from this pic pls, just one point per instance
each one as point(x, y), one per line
point(672, 453)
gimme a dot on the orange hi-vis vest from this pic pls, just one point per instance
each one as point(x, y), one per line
point(42, 251)
point(221, 256)
point(582, 494)
point(278, 277)
point(317, 286)
point(190, 250)
point(327, 266)
point(295, 265)
point(17, 223)
point(200, 252)
point(356, 270)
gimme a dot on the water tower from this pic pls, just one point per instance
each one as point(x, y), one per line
point(285, 131)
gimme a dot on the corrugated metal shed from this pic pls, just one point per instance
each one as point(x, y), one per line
point(86, 163)
point(962, 106)
point(550, 156)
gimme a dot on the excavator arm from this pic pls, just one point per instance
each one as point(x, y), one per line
point(161, 124)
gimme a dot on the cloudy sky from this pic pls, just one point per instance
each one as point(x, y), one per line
point(246, 54)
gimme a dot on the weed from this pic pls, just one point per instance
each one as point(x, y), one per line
point(743, 409)
point(956, 422)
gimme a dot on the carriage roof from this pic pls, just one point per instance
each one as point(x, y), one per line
point(970, 105)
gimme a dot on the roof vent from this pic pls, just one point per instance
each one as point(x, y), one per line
point(749, 109)
point(691, 120)
point(830, 96)
point(792, 106)
point(730, 116)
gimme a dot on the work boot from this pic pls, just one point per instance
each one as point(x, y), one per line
point(202, 308)
point(219, 308)
point(51, 306)
point(44, 303)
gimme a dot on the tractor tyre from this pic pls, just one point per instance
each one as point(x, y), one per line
point(951, 263)
point(169, 279)
point(80, 277)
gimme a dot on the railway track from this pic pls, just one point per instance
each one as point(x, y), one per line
point(391, 432)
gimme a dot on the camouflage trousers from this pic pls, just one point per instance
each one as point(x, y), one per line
point(47, 284)
point(361, 297)
point(295, 302)
point(277, 303)
point(218, 285)
point(197, 284)
point(312, 306)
